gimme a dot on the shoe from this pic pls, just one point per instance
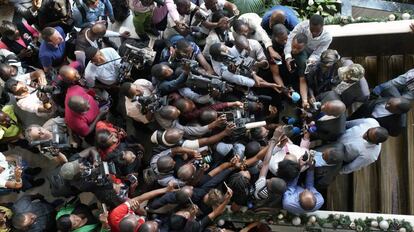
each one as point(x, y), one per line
point(38, 182)
point(33, 171)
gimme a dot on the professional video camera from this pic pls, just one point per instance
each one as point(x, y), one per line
point(135, 57)
point(243, 63)
point(199, 80)
point(58, 143)
point(243, 119)
point(151, 103)
point(202, 82)
point(99, 174)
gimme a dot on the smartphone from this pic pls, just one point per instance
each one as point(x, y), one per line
point(277, 61)
point(132, 179)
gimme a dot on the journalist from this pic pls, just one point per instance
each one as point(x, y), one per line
point(104, 67)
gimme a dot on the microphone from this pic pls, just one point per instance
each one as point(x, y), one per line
point(255, 124)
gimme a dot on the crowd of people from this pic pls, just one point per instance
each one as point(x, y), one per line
point(207, 112)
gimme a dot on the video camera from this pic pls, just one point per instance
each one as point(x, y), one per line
point(99, 174)
point(58, 143)
point(243, 63)
point(135, 57)
point(243, 119)
point(151, 103)
point(199, 80)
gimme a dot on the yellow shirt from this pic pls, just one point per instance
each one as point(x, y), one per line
point(14, 128)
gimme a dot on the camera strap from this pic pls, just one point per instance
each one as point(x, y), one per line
point(109, 61)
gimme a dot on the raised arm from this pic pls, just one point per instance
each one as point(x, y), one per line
point(217, 137)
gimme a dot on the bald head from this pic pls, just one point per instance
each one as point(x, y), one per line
point(165, 164)
point(173, 135)
point(149, 226)
point(208, 116)
point(307, 200)
point(398, 105)
point(98, 30)
point(186, 172)
point(183, 195)
point(78, 104)
point(128, 223)
point(69, 74)
point(277, 17)
point(184, 105)
point(169, 112)
point(333, 108)
point(242, 43)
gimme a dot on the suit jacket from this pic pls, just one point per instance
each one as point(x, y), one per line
point(324, 176)
point(358, 92)
point(330, 130)
point(394, 123)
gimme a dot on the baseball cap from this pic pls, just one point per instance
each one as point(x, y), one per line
point(70, 169)
point(351, 73)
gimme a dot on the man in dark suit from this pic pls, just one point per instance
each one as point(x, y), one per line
point(390, 112)
point(330, 118)
point(328, 163)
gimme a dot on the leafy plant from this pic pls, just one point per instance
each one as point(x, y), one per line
point(307, 8)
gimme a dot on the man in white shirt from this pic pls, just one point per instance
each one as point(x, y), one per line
point(31, 100)
point(184, 8)
point(140, 88)
point(11, 175)
point(318, 38)
point(104, 66)
point(209, 7)
point(362, 141)
point(249, 25)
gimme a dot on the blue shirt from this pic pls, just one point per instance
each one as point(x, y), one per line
point(291, 196)
point(92, 14)
point(50, 55)
point(290, 22)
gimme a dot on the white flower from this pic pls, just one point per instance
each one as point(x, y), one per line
point(320, 8)
point(311, 2)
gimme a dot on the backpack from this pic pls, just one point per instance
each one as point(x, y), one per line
point(60, 187)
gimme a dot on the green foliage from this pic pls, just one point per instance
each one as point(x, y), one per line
point(307, 8)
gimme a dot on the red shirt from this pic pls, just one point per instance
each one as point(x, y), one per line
point(116, 216)
point(102, 125)
point(79, 123)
